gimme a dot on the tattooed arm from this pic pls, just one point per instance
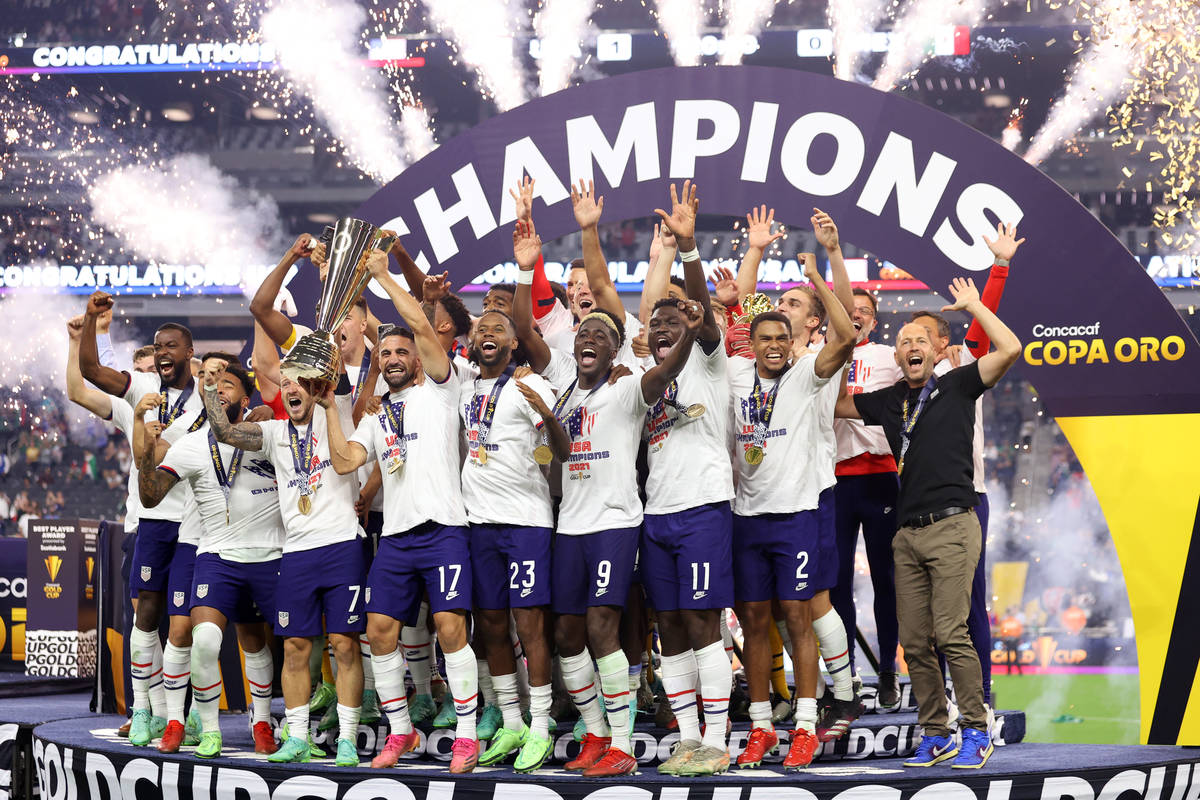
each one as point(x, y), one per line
point(243, 435)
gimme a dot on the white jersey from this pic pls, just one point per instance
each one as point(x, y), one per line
point(253, 530)
point(353, 372)
point(427, 486)
point(554, 321)
point(872, 366)
point(600, 476)
point(941, 368)
point(332, 518)
point(689, 458)
point(509, 488)
point(141, 384)
point(798, 450)
point(565, 341)
point(122, 420)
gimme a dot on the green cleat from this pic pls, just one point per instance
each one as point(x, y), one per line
point(421, 708)
point(347, 754)
point(323, 698)
point(293, 751)
point(369, 714)
point(579, 730)
point(210, 745)
point(140, 733)
point(330, 720)
point(192, 729)
point(447, 717)
point(534, 753)
point(504, 743)
point(490, 722)
point(681, 753)
point(705, 761)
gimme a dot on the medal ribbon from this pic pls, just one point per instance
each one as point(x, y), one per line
point(761, 408)
point(224, 479)
point(362, 374)
point(301, 455)
point(484, 412)
point(165, 416)
point(573, 422)
point(909, 423)
point(394, 414)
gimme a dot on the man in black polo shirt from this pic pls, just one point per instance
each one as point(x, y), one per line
point(929, 422)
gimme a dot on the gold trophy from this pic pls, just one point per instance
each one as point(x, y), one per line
point(754, 305)
point(316, 356)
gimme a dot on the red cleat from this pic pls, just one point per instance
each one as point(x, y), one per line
point(762, 743)
point(803, 748)
point(594, 747)
point(172, 737)
point(264, 739)
point(612, 764)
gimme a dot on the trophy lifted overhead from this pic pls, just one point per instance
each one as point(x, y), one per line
point(315, 356)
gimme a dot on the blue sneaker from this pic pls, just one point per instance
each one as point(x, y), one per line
point(933, 750)
point(347, 754)
point(976, 749)
point(293, 751)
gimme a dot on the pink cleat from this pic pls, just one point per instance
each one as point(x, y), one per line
point(395, 746)
point(465, 755)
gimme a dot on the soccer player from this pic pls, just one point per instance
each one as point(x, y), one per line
point(237, 560)
point(929, 423)
point(321, 569)
point(783, 418)
point(425, 540)
point(160, 566)
point(686, 548)
point(865, 496)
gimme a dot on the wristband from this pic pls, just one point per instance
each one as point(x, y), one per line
point(690, 255)
point(525, 277)
point(1001, 262)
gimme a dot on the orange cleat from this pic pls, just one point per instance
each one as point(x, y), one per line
point(803, 748)
point(612, 764)
point(395, 746)
point(172, 737)
point(762, 742)
point(264, 738)
point(593, 749)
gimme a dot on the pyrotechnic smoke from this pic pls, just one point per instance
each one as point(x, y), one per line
point(851, 21)
point(482, 30)
point(914, 31)
point(418, 134)
point(317, 44)
point(743, 18)
point(681, 21)
point(1098, 79)
point(560, 25)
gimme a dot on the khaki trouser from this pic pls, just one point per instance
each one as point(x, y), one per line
point(934, 569)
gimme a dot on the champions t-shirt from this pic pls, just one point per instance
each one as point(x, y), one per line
point(979, 479)
point(141, 384)
point(122, 420)
point(872, 366)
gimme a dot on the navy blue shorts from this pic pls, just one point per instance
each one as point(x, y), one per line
point(243, 592)
point(430, 557)
point(179, 585)
point(510, 566)
point(152, 554)
point(686, 559)
point(593, 569)
point(785, 556)
point(323, 582)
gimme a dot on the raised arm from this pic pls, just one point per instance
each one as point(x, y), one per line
point(345, 456)
point(262, 306)
point(106, 378)
point(153, 483)
point(434, 360)
point(656, 379)
point(758, 238)
point(682, 223)
point(266, 364)
point(527, 250)
point(79, 392)
point(243, 435)
point(994, 364)
point(827, 237)
point(367, 394)
point(588, 207)
point(840, 340)
point(1003, 247)
point(413, 275)
point(658, 274)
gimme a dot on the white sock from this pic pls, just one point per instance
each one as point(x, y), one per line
point(368, 668)
point(580, 680)
point(462, 680)
point(678, 675)
point(540, 699)
point(726, 638)
point(781, 626)
point(806, 714)
point(177, 677)
point(417, 652)
point(614, 683)
point(716, 676)
point(260, 672)
point(486, 690)
point(389, 682)
point(508, 700)
point(348, 723)
point(835, 651)
point(522, 670)
point(635, 678)
point(206, 674)
point(297, 719)
point(760, 715)
point(145, 649)
point(158, 692)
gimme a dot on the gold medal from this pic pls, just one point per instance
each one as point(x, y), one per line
point(395, 465)
point(694, 411)
point(304, 504)
point(481, 455)
point(542, 455)
point(754, 455)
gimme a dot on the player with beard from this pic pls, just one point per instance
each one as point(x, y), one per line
point(686, 536)
point(865, 496)
point(180, 410)
point(321, 569)
point(238, 555)
point(425, 540)
point(598, 525)
point(783, 508)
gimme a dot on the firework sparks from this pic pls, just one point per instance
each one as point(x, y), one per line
point(681, 22)
point(908, 47)
point(560, 25)
point(482, 31)
point(852, 21)
point(743, 20)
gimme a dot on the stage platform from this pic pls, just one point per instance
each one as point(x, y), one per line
point(82, 758)
point(18, 684)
